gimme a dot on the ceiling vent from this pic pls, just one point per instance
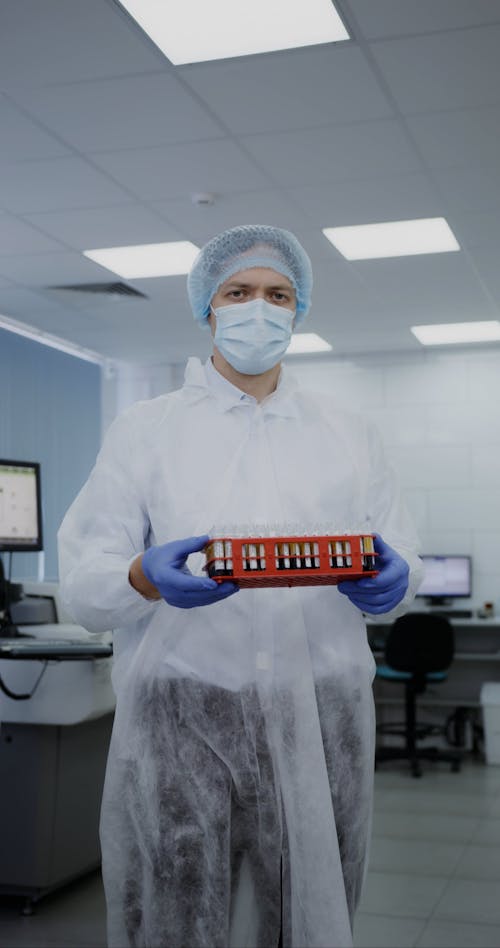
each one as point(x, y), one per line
point(88, 294)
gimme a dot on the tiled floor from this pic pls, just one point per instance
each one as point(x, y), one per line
point(434, 874)
point(433, 882)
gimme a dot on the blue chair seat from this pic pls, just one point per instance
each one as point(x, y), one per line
point(390, 674)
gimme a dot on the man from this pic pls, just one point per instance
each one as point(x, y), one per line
point(237, 803)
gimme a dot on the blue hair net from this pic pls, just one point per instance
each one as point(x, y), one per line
point(249, 245)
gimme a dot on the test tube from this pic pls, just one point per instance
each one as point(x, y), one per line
point(262, 554)
point(228, 548)
point(286, 555)
point(306, 547)
point(219, 565)
point(368, 548)
point(339, 550)
point(315, 549)
point(296, 552)
point(348, 558)
point(252, 554)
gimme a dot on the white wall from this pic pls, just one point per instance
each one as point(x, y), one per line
point(439, 416)
point(124, 383)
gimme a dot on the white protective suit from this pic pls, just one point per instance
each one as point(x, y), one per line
point(244, 730)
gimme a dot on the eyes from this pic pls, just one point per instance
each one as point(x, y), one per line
point(274, 296)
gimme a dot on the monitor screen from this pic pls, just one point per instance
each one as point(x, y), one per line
point(446, 577)
point(20, 506)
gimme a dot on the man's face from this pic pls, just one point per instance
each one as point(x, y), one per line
point(255, 283)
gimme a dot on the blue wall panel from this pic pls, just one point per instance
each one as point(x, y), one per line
point(50, 411)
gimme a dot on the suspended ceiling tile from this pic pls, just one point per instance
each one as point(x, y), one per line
point(485, 259)
point(458, 139)
point(16, 236)
point(470, 189)
point(128, 112)
point(51, 268)
point(443, 71)
point(477, 229)
point(297, 90)
point(402, 17)
point(253, 207)
point(444, 282)
point(330, 155)
point(398, 197)
point(178, 170)
point(87, 228)
point(66, 41)
point(27, 305)
point(23, 138)
point(31, 186)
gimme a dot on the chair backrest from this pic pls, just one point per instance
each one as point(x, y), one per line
point(420, 642)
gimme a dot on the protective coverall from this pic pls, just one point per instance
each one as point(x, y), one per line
point(239, 782)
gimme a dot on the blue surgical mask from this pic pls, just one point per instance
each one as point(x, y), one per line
point(253, 336)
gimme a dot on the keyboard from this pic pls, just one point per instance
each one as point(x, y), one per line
point(53, 648)
point(453, 613)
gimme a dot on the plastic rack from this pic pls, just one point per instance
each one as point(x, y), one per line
point(290, 560)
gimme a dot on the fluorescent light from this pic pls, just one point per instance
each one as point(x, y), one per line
point(307, 342)
point(449, 334)
point(195, 31)
point(393, 238)
point(54, 342)
point(146, 260)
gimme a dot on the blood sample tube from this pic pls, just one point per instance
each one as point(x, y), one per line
point(252, 555)
point(369, 550)
point(348, 558)
point(228, 548)
point(219, 566)
point(262, 554)
point(315, 549)
point(338, 550)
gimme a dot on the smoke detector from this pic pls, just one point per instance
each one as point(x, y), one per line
point(203, 199)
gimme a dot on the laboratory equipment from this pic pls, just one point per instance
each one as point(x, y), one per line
point(306, 560)
point(20, 526)
point(446, 577)
point(20, 507)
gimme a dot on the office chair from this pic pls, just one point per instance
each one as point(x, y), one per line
point(419, 650)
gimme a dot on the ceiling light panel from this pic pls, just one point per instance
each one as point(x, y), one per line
point(303, 342)
point(393, 238)
point(146, 260)
point(196, 31)
point(448, 334)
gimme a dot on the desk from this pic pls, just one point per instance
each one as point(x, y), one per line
point(477, 659)
point(53, 750)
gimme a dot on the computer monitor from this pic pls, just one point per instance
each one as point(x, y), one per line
point(20, 507)
point(446, 577)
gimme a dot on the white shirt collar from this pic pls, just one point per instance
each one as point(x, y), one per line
point(204, 380)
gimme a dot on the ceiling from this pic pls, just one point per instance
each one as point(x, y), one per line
point(103, 142)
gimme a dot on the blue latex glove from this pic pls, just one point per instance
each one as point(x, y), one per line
point(165, 567)
point(379, 594)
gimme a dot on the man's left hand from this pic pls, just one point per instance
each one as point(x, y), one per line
point(381, 593)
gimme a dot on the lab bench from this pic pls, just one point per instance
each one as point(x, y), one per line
point(476, 660)
point(53, 751)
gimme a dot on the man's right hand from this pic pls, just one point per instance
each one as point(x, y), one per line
point(164, 568)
